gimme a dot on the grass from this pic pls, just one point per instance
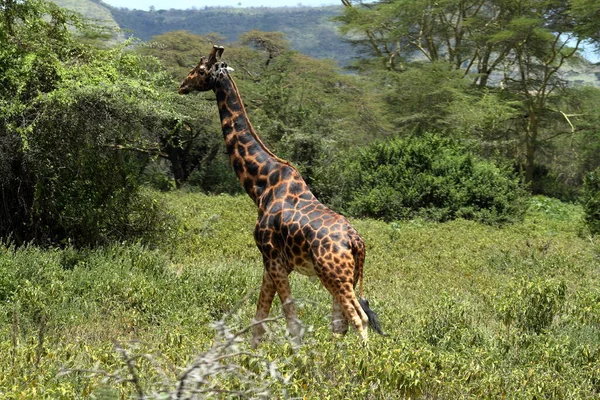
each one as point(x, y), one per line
point(470, 311)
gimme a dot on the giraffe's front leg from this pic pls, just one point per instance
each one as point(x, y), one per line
point(279, 276)
point(275, 279)
point(265, 299)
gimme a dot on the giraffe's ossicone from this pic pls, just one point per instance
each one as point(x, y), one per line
point(294, 231)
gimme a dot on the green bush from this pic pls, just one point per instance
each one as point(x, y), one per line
point(422, 177)
point(85, 187)
point(532, 305)
point(591, 201)
point(76, 130)
point(449, 324)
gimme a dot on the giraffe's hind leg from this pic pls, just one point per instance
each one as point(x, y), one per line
point(354, 312)
point(339, 323)
point(338, 278)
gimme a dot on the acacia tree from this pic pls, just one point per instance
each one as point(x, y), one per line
point(272, 43)
point(532, 74)
point(519, 46)
point(305, 107)
point(447, 30)
point(191, 145)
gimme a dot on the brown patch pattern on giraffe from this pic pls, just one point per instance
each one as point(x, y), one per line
point(294, 231)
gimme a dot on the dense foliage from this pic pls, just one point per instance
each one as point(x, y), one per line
point(422, 177)
point(117, 111)
point(78, 125)
point(526, 48)
point(491, 72)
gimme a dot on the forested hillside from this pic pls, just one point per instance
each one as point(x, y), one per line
point(310, 30)
point(97, 13)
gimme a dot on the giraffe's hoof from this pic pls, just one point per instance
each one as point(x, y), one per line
point(364, 335)
point(296, 341)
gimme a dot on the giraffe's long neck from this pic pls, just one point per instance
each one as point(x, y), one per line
point(252, 161)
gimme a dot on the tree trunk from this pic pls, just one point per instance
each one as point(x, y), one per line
point(531, 146)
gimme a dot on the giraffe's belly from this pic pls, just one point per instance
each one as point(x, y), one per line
point(306, 267)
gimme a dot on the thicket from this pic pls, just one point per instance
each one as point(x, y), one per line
point(427, 177)
point(79, 125)
point(520, 53)
point(508, 87)
point(77, 143)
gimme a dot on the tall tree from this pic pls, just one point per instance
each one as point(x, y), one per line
point(188, 144)
point(521, 46)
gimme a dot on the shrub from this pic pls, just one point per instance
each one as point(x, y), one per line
point(591, 201)
point(84, 187)
point(422, 177)
point(78, 124)
point(532, 305)
point(449, 323)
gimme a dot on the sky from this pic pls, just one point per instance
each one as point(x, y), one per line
point(185, 4)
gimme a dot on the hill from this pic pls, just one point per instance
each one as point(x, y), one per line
point(91, 10)
point(310, 30)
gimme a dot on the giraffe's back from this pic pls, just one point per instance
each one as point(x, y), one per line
point(304, 234)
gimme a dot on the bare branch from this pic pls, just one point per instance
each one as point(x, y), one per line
point(130, 363)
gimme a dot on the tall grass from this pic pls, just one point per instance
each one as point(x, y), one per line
point(470, 311)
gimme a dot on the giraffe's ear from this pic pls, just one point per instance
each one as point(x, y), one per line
point(229, 69)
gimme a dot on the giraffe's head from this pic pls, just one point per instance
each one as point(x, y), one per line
point(204, 76)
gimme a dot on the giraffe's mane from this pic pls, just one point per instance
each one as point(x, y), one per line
point(251, 128)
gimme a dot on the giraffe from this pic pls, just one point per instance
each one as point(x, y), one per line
point(294, 231)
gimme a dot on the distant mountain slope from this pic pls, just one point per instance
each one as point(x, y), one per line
point(89, 9)
point(309, 29)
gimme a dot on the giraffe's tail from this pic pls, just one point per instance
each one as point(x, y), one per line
point(372, 315)
point(358, 250)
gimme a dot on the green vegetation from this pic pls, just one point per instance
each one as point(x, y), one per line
point(469, 309)
point(79, 124)
point(422, 177)
point(522, 48)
